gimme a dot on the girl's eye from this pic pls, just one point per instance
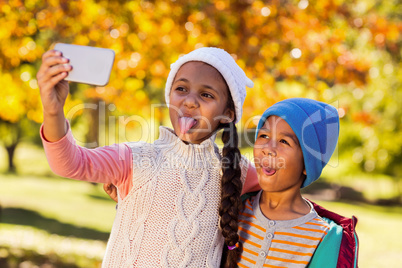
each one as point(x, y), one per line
point(207, 95)
point(264, 136)
point(180, 89)
point(284, 142)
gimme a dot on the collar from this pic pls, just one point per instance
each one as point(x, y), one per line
point(281, 224)
point(175, 147)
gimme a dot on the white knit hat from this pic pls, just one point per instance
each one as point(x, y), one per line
point(225, 64)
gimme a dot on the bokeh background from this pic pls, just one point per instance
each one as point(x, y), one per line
point(343, 52)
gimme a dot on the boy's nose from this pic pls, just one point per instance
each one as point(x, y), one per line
point(269, 149)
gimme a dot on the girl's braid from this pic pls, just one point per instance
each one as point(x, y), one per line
point(231, 187)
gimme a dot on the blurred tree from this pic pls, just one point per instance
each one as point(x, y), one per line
point(323, 49)
point(372, 112)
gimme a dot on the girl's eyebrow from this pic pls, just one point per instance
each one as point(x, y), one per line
point(181, 80)
point(187, 81)
point(211, 88)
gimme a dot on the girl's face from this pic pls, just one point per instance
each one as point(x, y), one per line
point(278, 157)
point(198, 102)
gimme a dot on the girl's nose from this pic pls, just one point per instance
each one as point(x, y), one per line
point(190, 101)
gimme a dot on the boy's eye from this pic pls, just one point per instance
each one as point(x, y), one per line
point(264, 136)
point(284, 142)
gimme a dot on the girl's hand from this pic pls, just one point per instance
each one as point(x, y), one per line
point(53, 92)
point(53, 89)
point(111, 190)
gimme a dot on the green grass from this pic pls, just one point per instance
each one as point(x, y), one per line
point(44, 215)
point(75, 205)
point(378, 229)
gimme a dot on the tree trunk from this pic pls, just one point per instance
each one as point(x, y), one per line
point(10, 152)
point(398, 186)
point(92, 136)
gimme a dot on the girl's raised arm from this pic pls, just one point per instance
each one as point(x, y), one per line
point(109, 164)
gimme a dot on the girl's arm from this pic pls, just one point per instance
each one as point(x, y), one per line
point(108, 164)
point(251, 183)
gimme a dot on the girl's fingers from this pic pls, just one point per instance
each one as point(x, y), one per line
point(52, 61)
point(56, 79)
point(50, 72)
point(51, 53)
point(49, 59)
point(51, 83)
point(52, 76)
point(57, 69)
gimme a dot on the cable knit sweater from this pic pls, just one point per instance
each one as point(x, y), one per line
point(169, 216)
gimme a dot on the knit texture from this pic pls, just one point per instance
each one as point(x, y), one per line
point(316, 125)
point(170, 217)
point(234, 76)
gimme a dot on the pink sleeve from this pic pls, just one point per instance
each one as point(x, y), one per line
point(251, 183)
point(108, 164)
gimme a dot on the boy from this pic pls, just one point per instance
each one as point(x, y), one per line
point(295, 139)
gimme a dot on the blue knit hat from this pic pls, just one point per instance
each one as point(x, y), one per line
point(316, 125)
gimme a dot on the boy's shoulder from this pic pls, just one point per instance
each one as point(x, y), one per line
point(246, 196)
point(348, 250)
point(345, 222)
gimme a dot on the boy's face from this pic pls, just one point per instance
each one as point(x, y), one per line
point(198, 102)
point(278, 157)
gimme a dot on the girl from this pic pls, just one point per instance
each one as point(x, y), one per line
point(172, 195)
point(295, 139)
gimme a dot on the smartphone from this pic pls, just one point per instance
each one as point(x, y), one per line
point(91, 65)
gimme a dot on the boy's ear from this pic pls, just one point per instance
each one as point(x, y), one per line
point(229, 116)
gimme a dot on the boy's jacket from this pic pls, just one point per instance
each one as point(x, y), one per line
point(339, 248)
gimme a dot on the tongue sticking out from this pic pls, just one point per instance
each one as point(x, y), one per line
point(269, 171)
point(186, 123)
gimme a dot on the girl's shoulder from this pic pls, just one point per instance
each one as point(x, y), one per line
point(143, 152)
point(136, 145)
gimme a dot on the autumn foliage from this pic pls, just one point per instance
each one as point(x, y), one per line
point(290, 48)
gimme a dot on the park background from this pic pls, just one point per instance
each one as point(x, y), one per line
point(343, 52)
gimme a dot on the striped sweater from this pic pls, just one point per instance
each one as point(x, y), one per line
point(268, 243)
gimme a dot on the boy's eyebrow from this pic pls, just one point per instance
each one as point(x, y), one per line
point(290, 135)
point(286, 134)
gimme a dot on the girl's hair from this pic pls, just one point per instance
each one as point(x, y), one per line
point(231, 187)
